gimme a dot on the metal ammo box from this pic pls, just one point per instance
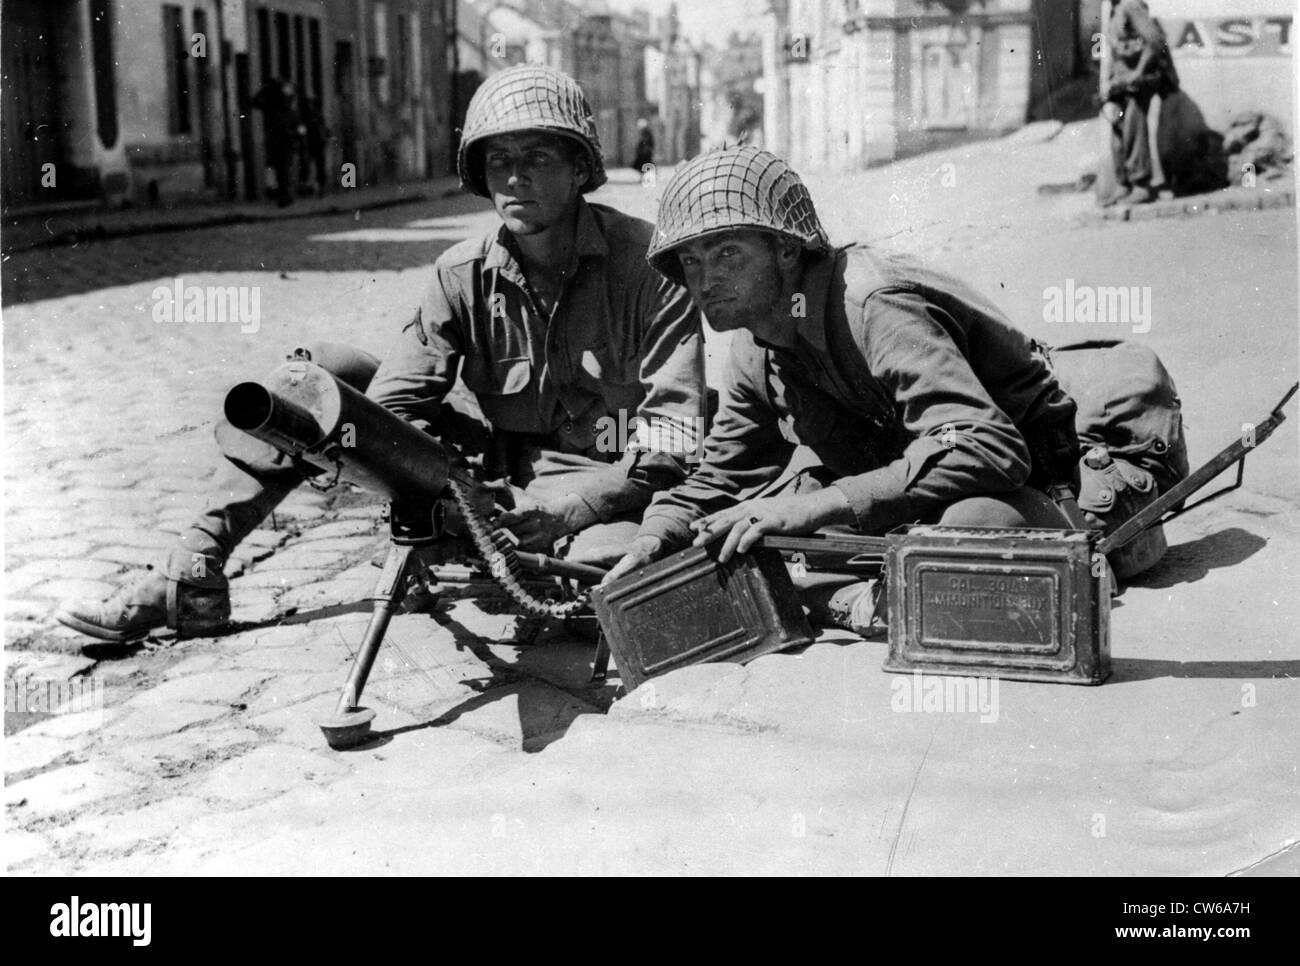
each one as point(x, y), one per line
point(688, 608)
point(1025, 604)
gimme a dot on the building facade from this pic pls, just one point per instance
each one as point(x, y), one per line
point(148, 101)
point(730, 79)
point(854, 82)
point(672, 79)
point(602, 50)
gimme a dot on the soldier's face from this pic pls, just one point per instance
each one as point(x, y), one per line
point(735, 280)
point(534, 180)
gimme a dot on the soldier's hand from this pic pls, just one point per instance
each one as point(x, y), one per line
point(746, 522)
point(487, 495)
point(536, 525)
point(643, 550)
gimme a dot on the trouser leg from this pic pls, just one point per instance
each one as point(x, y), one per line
point(1025, 507)
point(253, 480)
point(604, 544)
point(189, 593)
point(283, 164)
point(1119, 157)
point(548, 475)
point(1136, 140)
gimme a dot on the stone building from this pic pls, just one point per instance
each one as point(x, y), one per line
point(148, 101)
point(673, 90)
point(603, 50)
point(853, 82)
point(731, 76)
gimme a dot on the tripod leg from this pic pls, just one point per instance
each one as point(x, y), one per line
point(600, 666)
point(349, 726)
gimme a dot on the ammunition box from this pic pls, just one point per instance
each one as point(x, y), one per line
point(689, 609)
point(1024, 604)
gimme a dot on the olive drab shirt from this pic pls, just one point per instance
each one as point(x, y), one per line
point(1141, 51)
point(621, 342)
point(907, 384)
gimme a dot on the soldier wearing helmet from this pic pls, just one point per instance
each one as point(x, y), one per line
point(554, 321)
point(903, 394)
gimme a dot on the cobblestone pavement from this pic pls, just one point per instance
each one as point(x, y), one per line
point(496, 755)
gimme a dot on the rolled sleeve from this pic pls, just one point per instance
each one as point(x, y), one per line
point(1140, 22)
point(670, 418)
point(420, 367)
point(962, 443)
point(743, 452)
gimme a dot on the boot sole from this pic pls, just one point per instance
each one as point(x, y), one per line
point(101, 633)
point(192, 629)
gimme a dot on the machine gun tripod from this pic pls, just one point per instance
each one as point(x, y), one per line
point(332, 430)
point(412, 530)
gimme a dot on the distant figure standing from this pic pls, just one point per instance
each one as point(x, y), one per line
point(645, 146)
point(278, 103)
point(311, 167)
point(1141, 66)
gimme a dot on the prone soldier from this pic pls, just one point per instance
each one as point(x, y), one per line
point(917, 397)
point(556, 323)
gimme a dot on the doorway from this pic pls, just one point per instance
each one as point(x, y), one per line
point(33, 122)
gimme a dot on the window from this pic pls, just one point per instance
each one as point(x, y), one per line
point(401, 66)
point(313, 34)
point(201, 63)
point(379, 70)
point(264, 42)
point(101, 37)
point(283, 47)
point(178, 69)
point(300, 61)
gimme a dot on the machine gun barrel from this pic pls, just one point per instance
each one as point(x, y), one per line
point(258, 411)
point(304, 411)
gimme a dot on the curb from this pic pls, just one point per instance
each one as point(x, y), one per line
point(102, 230)
point(1229, 199)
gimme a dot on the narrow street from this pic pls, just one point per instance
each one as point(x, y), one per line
point(497, 755)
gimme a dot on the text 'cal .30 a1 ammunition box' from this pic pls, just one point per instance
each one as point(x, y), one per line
point(1024, 604)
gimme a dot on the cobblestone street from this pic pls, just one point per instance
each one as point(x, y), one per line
point(496, 755)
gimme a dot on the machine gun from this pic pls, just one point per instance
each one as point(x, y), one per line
point(335, 432)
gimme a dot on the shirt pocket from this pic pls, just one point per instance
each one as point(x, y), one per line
point(597, 366)
point(496, 377)
point(599, 374)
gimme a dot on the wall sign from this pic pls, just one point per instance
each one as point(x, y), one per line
point(1229, 36)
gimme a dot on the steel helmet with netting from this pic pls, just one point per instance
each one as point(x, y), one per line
point(527, 97)
point(729, 188)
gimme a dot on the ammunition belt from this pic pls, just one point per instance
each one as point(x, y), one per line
point(499, 555)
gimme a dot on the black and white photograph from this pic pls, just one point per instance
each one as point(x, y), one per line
point(646, 438)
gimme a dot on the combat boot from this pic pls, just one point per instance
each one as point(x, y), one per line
point(157, 598)
point(858, 607)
